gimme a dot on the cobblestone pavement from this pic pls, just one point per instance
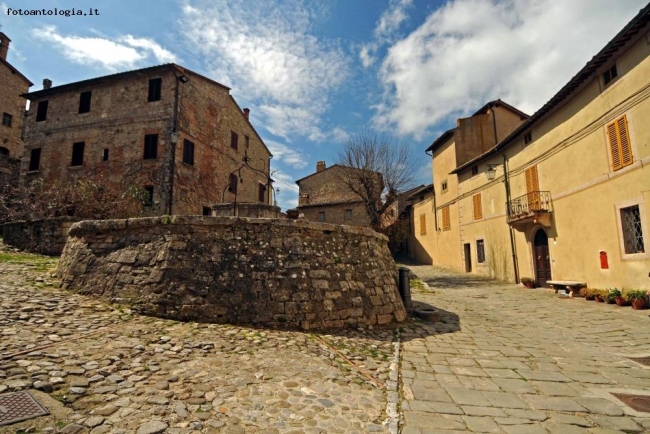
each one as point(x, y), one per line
point(101, 369)
point(515, 360)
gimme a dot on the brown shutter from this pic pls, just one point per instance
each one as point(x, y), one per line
point(532, 188)
point(619, 143)
point(423, 224)
point(478, 206)
point(446, 223)
point(613, 146)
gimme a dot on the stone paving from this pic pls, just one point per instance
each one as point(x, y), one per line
point(507, 359)
point(101, 369)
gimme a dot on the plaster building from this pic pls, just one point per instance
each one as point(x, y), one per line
point(12, 105)
point(324, 197)
point(177, 134)
point(564, 196)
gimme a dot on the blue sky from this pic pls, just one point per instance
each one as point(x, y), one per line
point(313, 72)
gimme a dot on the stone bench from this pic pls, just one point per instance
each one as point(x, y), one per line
point(570, 286)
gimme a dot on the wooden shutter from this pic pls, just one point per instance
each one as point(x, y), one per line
point(532, 188)
point(619, 143)
point(478, 206)
point(423, 224)
point(446, 221)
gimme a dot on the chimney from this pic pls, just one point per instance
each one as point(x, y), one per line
point(4, 46)
point(47, 83)
point(246, 112)
point(320, 166)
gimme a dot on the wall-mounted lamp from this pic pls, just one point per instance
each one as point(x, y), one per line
point(491, 171)
point(184, 78)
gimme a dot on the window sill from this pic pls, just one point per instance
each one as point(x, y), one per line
point(33, 172)
point(81, 166)
point(188, 165)
point(635, 256)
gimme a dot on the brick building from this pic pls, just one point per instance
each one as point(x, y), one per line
point(12, 105)
point(325, 197)
point(166, 129)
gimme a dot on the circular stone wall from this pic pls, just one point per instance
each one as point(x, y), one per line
point(277, 273)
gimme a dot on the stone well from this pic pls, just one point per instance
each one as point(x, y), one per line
point(267, 272)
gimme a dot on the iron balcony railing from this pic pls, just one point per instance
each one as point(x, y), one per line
point(529, 204)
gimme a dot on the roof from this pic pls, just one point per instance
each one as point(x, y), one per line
point(440, 140)
point(15, 71)
point(316, 173)
point(334, 202)
point(408, 193)
point(576, 83)
point(113, 77)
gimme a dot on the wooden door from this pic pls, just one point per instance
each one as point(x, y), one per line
point(532, 189)
point(542, 258)
point(468, 258)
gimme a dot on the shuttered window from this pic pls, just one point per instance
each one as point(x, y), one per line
point(423, 224)
point(532, 189)
point(619, 143)
point(478, 206)
point(446, 221)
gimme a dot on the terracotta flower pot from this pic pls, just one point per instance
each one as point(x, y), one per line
point(620, 301)
point(599, 299)
point(639, 303)
point(529, 285)
point(590, 297)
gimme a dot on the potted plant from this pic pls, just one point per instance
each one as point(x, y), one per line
point(599, 295)
point(588, 294)
point(528, 282)
point(637, 298)
point(618, 297)
point(612, 293)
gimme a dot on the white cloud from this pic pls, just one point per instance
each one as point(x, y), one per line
point(287, 196)
point(123, 52)
point(266, 50)
point(291, 157)
point(385, 30)
point(472, 51)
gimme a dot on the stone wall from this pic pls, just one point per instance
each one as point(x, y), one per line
point(47, 237)
point(12, 85)
point(9, 171)
point(267, 272)
point(255, 210)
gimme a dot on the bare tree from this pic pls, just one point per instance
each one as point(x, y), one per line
point(379, 168)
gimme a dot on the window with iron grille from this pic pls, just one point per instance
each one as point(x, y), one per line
point(632, 231)
point(78, 154)
point(446, 221)
point(619, 143)
point(35, 159)
point(188, 152)
point(155, 87)
point(6, 119)
point(41, 111)
point(149, 198)
point(84, 101)
point(234, 180)
point(480, 251)
point(150, 147)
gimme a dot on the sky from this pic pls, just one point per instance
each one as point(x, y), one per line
point(316, 72)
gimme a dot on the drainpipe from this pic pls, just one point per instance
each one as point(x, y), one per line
point(513, 249)
point(435, 212)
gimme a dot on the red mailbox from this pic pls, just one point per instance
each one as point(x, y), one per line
point(603, 260)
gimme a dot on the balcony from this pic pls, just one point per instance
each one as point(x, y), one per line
point(531, 208)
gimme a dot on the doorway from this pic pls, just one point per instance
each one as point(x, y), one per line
point(542, 258)
point(468, 257)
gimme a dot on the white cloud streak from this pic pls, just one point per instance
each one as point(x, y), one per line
point(123, 52)
point(472, 51)
point(291, 157)
point(385, 30)
point(266, 50)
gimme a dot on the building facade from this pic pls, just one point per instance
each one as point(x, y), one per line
point(166, 129)
point(12, 85)
point(324, 197)
point(565, 196)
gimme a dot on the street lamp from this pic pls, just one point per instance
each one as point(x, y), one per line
point(491, 171)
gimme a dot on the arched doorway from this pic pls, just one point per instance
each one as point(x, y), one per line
point(542, 258)
point(4, 151)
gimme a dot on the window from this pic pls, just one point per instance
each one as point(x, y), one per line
point(423, 224)
point(78, 154)
point(261, 193)
point(188, 152)
point(84, 102)
point(528, 137)
point(4, 151)
point(155, 85)
point(105, 156)
point(149, 198)
point(348, 214)
point(619, 143)
point(247, 141)
point(6, 119)
point(474, 170)
point(321, 216)
point(446, 221)
point(41, 111)
point(35, 159)
point(610, 75)
point(632, 231)
point(150, 147)
point(480, 251)
point(234, 180)
point(444, 185)
point(478, 206)
point(234, 140)
point(207, 210)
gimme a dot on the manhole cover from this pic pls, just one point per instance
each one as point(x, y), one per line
point(18, 406)
point(642, 360)
point(637, 402)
